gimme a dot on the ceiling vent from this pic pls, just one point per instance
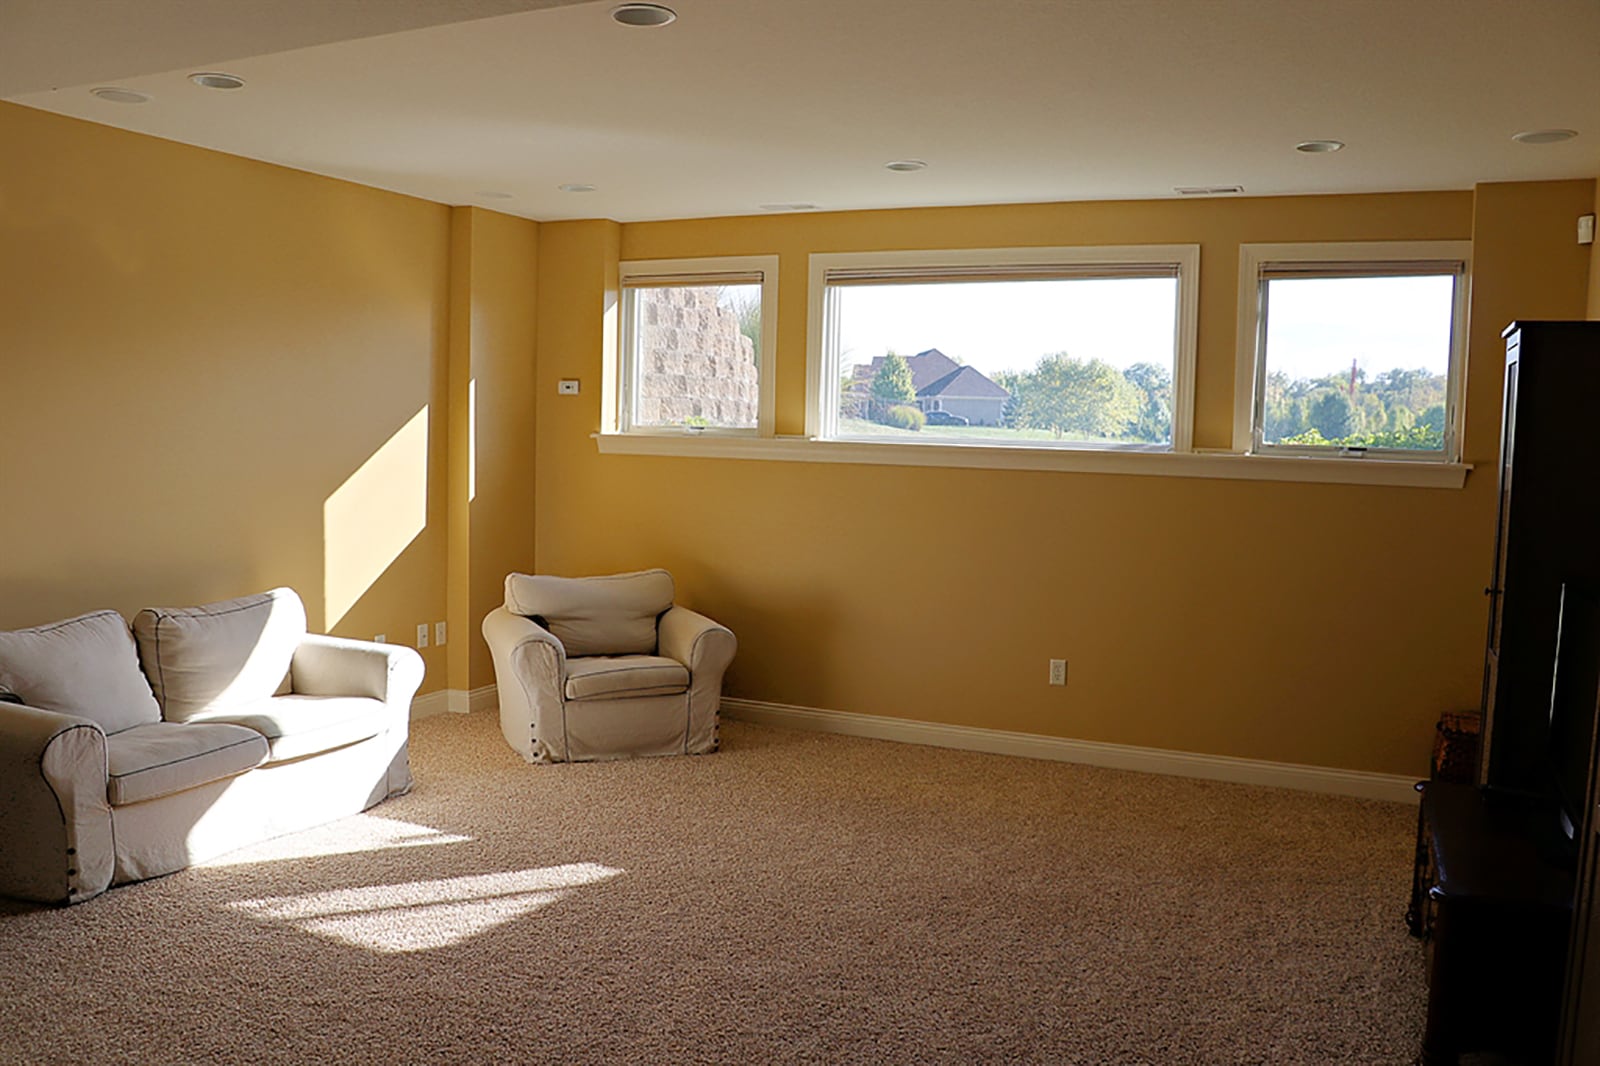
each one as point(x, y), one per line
point(1208, 190)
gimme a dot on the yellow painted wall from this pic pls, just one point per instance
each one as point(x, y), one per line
point(1317, 624)
point(495, 480)
point(216, 376)
point(219, 376)
point(1594, 262)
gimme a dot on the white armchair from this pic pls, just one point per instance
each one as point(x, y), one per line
point(605, 668)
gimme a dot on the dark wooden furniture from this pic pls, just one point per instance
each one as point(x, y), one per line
point(1498, 903)
point(1504, 893)
point(1548, 532)
point(1580, 1015)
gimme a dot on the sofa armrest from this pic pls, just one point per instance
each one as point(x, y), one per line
point(56, 844)
point(696, 641)
point(337, 666)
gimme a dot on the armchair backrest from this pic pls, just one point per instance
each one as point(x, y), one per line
point(612, 615)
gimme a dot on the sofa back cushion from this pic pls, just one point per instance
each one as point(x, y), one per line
point(86, 666)
point(614, 615)
point(219, 656)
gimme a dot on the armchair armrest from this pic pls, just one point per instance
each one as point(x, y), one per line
point(696, 641)
point(530, 669)
point(337, 666)
point(56, 844)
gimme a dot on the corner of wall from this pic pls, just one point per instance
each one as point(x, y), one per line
point(1594, 262)
point(493, 293)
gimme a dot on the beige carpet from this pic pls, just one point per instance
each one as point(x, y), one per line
point(795, 898)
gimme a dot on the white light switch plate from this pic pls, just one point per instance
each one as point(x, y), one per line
point(567, 387)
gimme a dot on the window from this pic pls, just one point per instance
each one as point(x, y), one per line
point(1352, 349)
point(696, 345)
point(1035, 347)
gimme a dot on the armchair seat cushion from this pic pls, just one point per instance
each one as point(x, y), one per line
point(160, 758)
point(605, 677)
point(297, 726)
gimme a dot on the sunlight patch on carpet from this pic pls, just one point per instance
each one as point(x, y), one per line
point(348, 836)
point(424, 915)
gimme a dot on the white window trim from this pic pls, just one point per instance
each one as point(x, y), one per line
point(1221, 465)
point(822, 364)
point(766, 409)
point(1246, 375)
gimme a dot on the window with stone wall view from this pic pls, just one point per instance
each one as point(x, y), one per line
point(693, 356)
point(1084, 361)
point(1356, 362)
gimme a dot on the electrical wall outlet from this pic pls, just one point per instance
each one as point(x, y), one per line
point(1058, 671)
point(422, 635)
point(438, 634)
point(567, 387)
point(381, 638)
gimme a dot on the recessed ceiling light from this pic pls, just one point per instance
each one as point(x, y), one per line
point(120, 96)
point(576, 186)
point(906, 165)
point(490, 194)
point(643, 14)
point(212, 79)
point(1317, 147)
point(787, 207)
point(1543, 136)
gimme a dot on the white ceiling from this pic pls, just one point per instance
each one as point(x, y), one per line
point(744, 103)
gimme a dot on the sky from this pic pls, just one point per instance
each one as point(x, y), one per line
point(1316, 326)
point(994, 326)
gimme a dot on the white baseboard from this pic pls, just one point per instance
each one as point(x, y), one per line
point(1392, 787)
point(453, 701)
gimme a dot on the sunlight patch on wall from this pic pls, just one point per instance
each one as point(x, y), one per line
point(424, 915)
point(374, 516)
point(472, 440)
point(348, 836)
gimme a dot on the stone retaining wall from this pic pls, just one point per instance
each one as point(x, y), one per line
point(694, 361)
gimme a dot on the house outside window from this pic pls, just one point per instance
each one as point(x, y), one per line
point(1352, 349)
point(1033, 347)
point(696, 345)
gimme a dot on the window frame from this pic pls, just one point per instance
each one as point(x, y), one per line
point(1362, 258)
point(631, 275)
point(822, 356)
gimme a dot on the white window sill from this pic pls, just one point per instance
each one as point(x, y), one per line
point(1227, 465)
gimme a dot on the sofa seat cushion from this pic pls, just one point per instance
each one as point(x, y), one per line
point(160, 758)
point(612, 615)
point(613, 677)
point(220, 656)
point(86, 666)
point(297, 726)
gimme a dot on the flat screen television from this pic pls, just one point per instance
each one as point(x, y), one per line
point(1574, 693)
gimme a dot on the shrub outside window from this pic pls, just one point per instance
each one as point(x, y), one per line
point(696, 345)
point(1352, 349)
point(1036, 347)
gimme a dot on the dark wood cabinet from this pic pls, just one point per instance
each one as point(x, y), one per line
point(1548, 533)
point(1497, 909)
point(1515, 932)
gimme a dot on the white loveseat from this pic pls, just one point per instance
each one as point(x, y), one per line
point(125, 754)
